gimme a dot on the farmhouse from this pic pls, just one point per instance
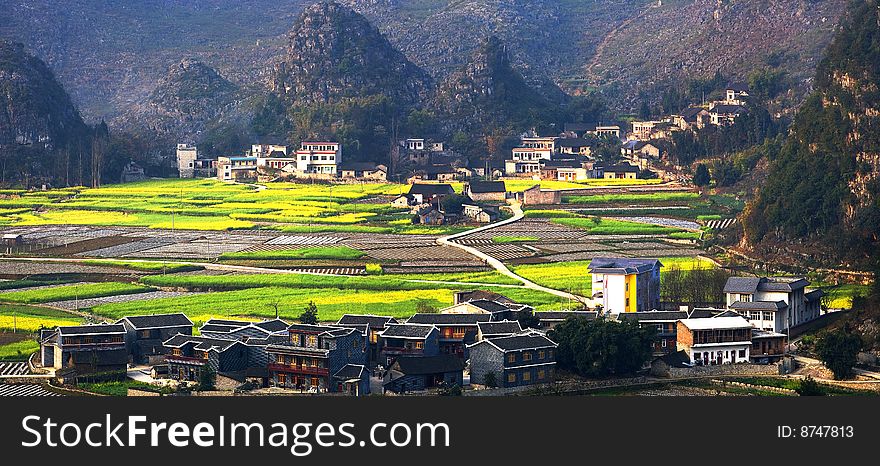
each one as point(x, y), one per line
point(666, 324)
point(692, 117)
point(497, 310)
point(441, 173)
point(190, 356)
point(456, 331)
point(715, 340)
point(518, 360)
point(486, 191)
point(537, 196)
point(364, 171)
point(723, 114)
point(86, 349)
point(319, 359)
point(626, 285)
point(736, 93)
point(505, 328)
point(375, 326)
point(236, 168)
point(460, 297)
point(426, 193)
point(144, 335)
point(409, 373)
point(410, 339)
point(773, 303)
point(479, 214)
point(621, 171)
point(574, 146)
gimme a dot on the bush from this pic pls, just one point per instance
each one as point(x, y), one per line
point(490, 380)
point(809, 387)
point(839, 349)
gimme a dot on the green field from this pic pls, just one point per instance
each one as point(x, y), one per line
point(514, 239)
point(632, 198)
point(15, 284)
point(841, 296)
point(151, 266)
point(68, 292)
point(19, 350)
point(321, 252)
point(609, 226)
point(32, 318)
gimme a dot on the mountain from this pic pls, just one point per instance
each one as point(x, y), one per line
point(822, 196)
point(488, 92)
point(185, 100)
point(38, 121)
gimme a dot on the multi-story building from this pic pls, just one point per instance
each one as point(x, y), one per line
point(642, 130)
point(320, 358)
point(236, 168)
point(608, 131)
point(504, 328)
point(518, 360)
point(408, 340)
point(145, 334)
point(715, 340)
point(525, 160)
point(268, 150)
point(319, 157)
point(626, 285)
point(189, 356)
point(186, 158)
point(375, 326)
point(666, 325)
point(456, 330)
point(87, 349)
point(773, 303)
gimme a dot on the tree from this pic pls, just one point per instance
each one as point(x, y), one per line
point(207, 378)
point(449, 389)
point(809, 387)
point(839, 349)
point(452, 203)
point(601, 347)
point(490, 380)
point(423, 306)
point(310, 315)
point(701, 176)
point(529, 320)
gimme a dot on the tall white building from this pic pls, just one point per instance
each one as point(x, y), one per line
point(319, 157)
point(773, 303)
point(186, 159)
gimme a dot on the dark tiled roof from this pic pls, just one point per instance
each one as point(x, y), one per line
point(690, 113)
point(622, 265)
point(91, 329)
point(431, 189)
point(738, 87)
point(467, 296)
point(522, 342)
point(506, 327)
point(159, 320)
point(274, 325)
point(308, 328)
point(562, 315)
point(677, 359)
point(201, 343)
point(229, 322)
point(782, 284)
point(759, 305)
point(622, 168)
point(376, 322)
point(572, 142)
point(814, 295)
point(489, 306)
point(359, 166)
point(449, 319)
point(362, 328)
point(742, 285)
point(487, 187)
point(214, 328)
point(579, 127)
point(350, 371)
point(408, 331)
point(412, 365)
point(654, 316)
point(561, 164)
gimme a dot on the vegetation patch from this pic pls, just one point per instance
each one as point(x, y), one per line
point(68, 292)
point(33, 318)
point(514, 239)
point(320, 252)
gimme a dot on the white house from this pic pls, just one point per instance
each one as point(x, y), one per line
point(319, 157)
point(626, 285)
point(773, 303)
point(186, 159)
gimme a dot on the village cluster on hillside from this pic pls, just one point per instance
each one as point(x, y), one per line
point(479, 342)
point(567, 156)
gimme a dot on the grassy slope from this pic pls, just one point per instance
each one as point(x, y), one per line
point(68, 292)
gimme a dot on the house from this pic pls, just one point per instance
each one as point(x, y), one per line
point(550, 319)
point(409, 339)
point(318, 157)
point(271, 158)
point(132, 172)
point(504, 328)
point(692, 117)
point(518, 360)
point(574, 146)
point(403, 201)
point(621, 171)
point(440, 173)
point(526, 161)
point(767, 346)
point(13, 239)
point(189, 356)
point(486, 191)
point(460, 297)
point(267, 150)
point(456, 331)
point(626, 285)
point(642, 130)
point(186, 157)
point(320, 359)
point(564, 170)
point(86, 349)
point(608, 131)
point(430, 216)
point(410, 374)
point(497, 310)
point(723, 114)
point(415, 144)
point(236, 168)
point(661, 365)
point(480, 214)
point(736, 93)
point(715, 340)
point(666, 325)
point(144, 335)
point(375, 326)
point(256, 336)
point(544, 143)
point(426, 193)
point(773, 303)
point(537, 196)
point(364, 171)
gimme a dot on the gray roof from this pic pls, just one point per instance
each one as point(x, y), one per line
point(274, 325)
point(158, 321)
point(350, 371)
point(408, 331)
point(753, 284)
point(201, 343)
point(572, 142)
point(622, 168)
point(487, 187)
point(376, 322)
point(814, 295)
point(431, 189)
point(759, 305)
point(91, 329)
point(562, 315)
point(505, 327)
point(473, 295)
point(618, 265)
point(654, 316)
point(522, 342)
point(362, 328)
point(742, 285)
point(449, 319)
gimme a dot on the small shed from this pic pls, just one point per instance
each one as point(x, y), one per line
point(13, 239)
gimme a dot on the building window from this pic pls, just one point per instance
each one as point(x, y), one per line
point(526, 376)
point(282, 379)
point(541, 354)
point(511, 377)
point(663, 343)
point(420, 345)
point(742, 353)
point(511, 357)
point(541, 374)
point(312, 341)
point(527, 356)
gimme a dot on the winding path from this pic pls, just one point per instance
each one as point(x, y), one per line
point(449, 241)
